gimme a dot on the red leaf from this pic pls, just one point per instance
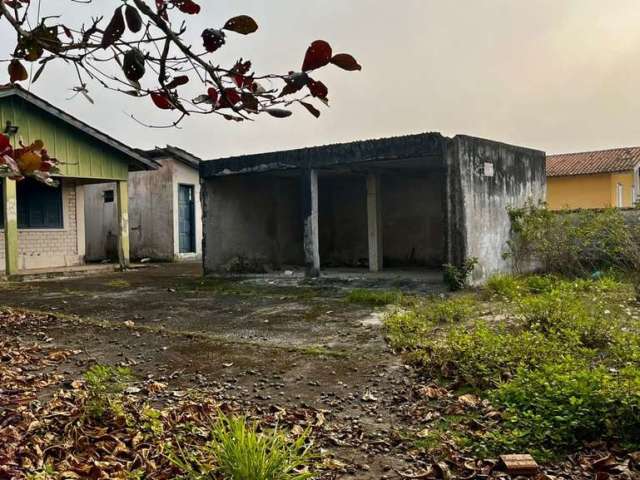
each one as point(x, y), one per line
point(318, 55)
point(5, 142)
point(318, 89)
point(161, 101)
point(213, 95)
point(17, 72)
point(243, 24)
point(230, 98)
point(187, 6)
point(346, 62)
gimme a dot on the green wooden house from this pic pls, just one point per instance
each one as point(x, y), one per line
point(44, 227)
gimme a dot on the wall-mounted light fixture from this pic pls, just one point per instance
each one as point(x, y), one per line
point(10, 129)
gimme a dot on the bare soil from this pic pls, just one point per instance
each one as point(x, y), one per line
point(258, 343)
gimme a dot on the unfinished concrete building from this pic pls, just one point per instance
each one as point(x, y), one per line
point(415, 201)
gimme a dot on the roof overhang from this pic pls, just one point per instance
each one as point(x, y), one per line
point(136, 161)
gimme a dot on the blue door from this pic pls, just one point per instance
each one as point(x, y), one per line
point(186, 219)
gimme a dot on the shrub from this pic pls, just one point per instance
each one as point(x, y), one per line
point(411, 328)
point(104, 385)
point(562, 405)
point(505, 286)
point(242, 453)
point(374, 297)
point(457, 277)
point(576, 243)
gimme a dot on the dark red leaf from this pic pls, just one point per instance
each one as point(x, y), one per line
point(346, 62)
point(5, 142)
point(161, 101)
point(213, 39)
point(17, 72)
point(187, 6)
point(134, 20)
point(230, 98)
point(213, 95)
point(243, 24)
point(114, 30)
point(178, 82)
point(318, 89)
point(318, 55)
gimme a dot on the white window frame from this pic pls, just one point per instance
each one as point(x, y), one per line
point(636, 185)
point(619, 195)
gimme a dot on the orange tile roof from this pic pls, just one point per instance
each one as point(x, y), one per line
point(585, 163)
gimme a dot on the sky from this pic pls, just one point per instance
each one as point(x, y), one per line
point(556, 75)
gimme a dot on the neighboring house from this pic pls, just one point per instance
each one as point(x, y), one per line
point(50, 227)
point(414, 201)
point(606, 178)
point(164, 211)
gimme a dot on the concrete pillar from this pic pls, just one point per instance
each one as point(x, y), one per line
point(80, 223)
point(310, 218)
point(123, 223)
point(10, 203)
point(374, 221)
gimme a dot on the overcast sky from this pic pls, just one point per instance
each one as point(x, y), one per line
point(558, 75)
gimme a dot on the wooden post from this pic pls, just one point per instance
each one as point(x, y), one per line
point(374, 220)
point(10, 201)
point(310, 219)
point(123, 223)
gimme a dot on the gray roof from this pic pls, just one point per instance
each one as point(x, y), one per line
point(136, 160)
point(176, 153)
point(364, 151)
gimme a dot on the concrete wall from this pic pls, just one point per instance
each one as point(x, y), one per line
point(256, 217)
point(413, 220)
point(153, 215)
point(50, 248)
point(485, 179)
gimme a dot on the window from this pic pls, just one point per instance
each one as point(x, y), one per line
point(39, 206)
point(620, 196)
point(108, 196)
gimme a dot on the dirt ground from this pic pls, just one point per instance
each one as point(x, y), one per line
point(257, 341)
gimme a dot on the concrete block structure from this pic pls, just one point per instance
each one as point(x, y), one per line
point(164, 211)
point(44, 227)
point(414, 201)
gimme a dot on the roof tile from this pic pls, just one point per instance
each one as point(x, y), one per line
point(585, 163)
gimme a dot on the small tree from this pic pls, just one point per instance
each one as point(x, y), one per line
point(144, 51)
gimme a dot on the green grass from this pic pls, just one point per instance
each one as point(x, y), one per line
point(560, 362)
point(374, 297)
point(242, 450)
point(118, 283)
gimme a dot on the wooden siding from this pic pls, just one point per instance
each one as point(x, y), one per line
point(83, 156)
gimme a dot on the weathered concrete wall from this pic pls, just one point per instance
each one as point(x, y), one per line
point(153, 214)
point(485, 179)
point(255, 217)
point(413, 220)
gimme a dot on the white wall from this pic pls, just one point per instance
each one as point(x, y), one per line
point(153, 214)
point(184, 175)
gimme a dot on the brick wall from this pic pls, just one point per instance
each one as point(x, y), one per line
point(50, 248)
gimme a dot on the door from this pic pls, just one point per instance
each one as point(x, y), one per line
point(186, 219)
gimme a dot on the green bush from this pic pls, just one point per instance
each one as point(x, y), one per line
point(243, 453)
point(505, 286)
point(576, 243)
point(564, 404)
point(456, 277)
point(410, 328)
point(104, 386)
point(374, 297)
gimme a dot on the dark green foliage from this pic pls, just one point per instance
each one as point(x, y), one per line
point(457, 277)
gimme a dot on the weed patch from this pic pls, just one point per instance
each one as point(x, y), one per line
point(374, 297)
